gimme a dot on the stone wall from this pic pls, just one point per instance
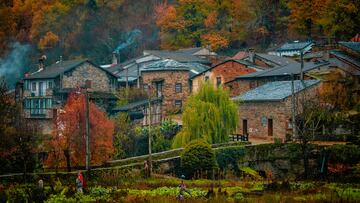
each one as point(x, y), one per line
point(100, 80)
point(169, 79)
point(227, 71)
point(238, 87)
point(45, 126)
point(257, 115)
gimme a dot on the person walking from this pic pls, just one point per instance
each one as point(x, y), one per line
point(79, 183)
point(146, 169)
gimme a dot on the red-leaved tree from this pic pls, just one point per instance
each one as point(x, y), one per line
point(68, 141)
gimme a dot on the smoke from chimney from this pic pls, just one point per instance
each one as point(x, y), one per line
point(13, 66)
point(130, 39)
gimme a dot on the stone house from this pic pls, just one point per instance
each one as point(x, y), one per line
point(223, 72)
point(244, 83)
point(347, 60)
point(46, 90)
point(128, 72)
point(265, 112)
point(170, 81)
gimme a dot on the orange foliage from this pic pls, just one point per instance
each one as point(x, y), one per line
point(211, 20)
point(70, 134)
point(49, 40)
point(167, 19)
point(338, 168)
point(215, 40)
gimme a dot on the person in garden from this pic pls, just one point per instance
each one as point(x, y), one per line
point(146, 169)
point(183, 189)
point(79, 182)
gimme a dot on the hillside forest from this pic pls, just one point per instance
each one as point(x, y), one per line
point(94, 29)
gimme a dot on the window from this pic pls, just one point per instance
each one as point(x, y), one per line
point(50, 85)
point(88, 83)
point(159, 87)
point(178, 103)
point(41, 89)
point(38, 106)
point(27, 85)
point(252, 84)
point(33, 86)
point(218, 81)
point(206, 78)
point(178, 87)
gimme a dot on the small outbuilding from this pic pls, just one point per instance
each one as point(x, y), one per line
point(265, 112)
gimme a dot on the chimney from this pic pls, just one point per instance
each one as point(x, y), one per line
point(41, 62)
point(114, 58)
point(251, 55)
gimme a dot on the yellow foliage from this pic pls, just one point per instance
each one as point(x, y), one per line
point(49, 40)
point(215, 40)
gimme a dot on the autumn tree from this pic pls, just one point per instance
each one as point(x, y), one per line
point(209, 115)
point(68, 141)
point(334, 18)
point(203, 23)
point(19, 139)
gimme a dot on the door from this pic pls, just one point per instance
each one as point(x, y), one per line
point(270, 127)
point(245, 127)
point(159, 89)
point(41, 89)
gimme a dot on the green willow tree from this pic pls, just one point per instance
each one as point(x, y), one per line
point(209, 115)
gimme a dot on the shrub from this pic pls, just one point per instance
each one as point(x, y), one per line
point(197, 157)
point(229, 157)
point(347, 154)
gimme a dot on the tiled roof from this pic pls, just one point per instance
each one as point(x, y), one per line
point(135, 104)
point(351, 45)
point(240, 55)
point(191, 51)
point(311, 55)
point(171, 65)
point(176, 55)
point(294, 46)
point(56, 69)
point(342, 55)
point(293, 68)
point(279, 60)
point(166, 64)
point(275, 91)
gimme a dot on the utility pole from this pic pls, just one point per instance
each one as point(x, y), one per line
point(87, 126)
point(293, 107)
point(127, 78)
point(138, 75)
point(302, 65)
point(150, 158)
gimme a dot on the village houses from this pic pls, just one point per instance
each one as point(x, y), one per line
point(46, 90)
point(260, 82)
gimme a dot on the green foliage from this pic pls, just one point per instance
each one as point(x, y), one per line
point(169, 129)
point(229, 156)
point(133, 141)
point(197, 156)
point(209, 114)
point(347, 154)
point(250, 172)
point(100, 193)
point(63, 198)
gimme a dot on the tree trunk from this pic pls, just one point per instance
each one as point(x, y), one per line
point(67, 157)
point(25, 168)
point(306, 160)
